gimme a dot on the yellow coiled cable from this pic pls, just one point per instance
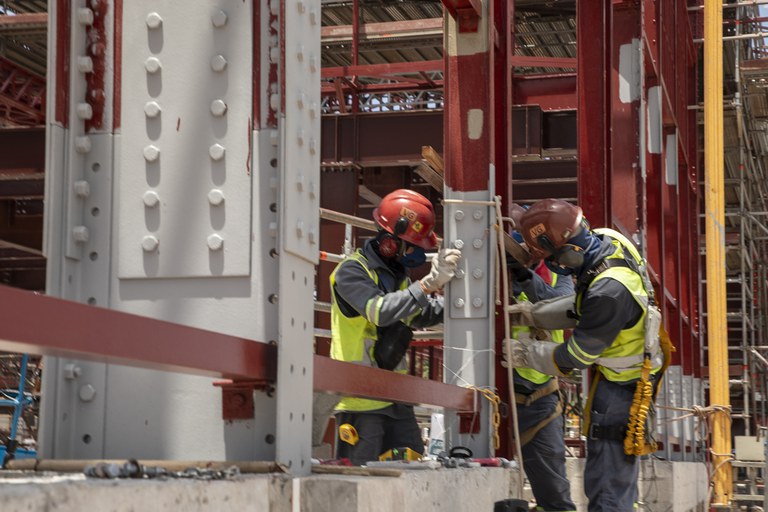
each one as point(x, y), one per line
point(635, 442)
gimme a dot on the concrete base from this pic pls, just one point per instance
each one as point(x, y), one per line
point(670, 486)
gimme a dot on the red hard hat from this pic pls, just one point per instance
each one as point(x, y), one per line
point(548, 224)
point(409, 216)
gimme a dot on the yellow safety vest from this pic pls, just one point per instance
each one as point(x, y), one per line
point(622, 360)
point(529, 373)
point(352, 339)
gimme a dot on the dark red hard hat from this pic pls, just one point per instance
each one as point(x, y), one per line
point(548, 224)
point(409, 216)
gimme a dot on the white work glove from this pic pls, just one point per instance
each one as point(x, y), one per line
point(518, 354)
point(539, 355)
point(443, 269)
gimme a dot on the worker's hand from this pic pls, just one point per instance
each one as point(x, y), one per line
point(519, 271)
point(538, 355)
point(443, 269)
point(521, 314)
point(514, 353)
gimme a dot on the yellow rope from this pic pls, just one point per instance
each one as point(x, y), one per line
point(636, 442)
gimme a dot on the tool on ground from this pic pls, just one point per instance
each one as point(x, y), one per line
point(348, 434)
point(400, 454)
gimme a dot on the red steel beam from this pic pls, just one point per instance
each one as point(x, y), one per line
point(397, 68)
point(550, 92)
point(36, 324)
point(542, 62)
point(347, 378)
point(24, 19)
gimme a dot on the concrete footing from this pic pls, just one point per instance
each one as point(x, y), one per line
point(676, 487)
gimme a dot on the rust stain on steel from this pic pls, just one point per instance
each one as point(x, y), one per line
point(79, 331)
point(118, 62)
point(96, 41)
point(62, 62)
point(364, 381)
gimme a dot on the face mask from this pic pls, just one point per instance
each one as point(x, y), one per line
point(415, 258)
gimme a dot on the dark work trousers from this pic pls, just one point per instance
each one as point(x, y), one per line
point(610, 476)
point(379, 431)
point(544, 455)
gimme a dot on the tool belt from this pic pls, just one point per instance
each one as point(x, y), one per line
point(553, 386)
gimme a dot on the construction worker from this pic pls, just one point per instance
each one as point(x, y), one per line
point(374, 308)
point(539, 403)
point(614, 314)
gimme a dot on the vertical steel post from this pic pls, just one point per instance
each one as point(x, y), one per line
point(715, 239)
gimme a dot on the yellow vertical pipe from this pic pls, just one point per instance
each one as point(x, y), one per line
point(717, 335)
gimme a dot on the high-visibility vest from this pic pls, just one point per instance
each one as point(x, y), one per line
point(623, 359)
point(529, 373)
point(352, 339)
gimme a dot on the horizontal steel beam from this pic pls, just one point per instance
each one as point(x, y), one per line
point(363, 381)
point(388, 29)
point(397, 68)
point(36, 324)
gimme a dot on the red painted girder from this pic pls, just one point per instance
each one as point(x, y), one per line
point(367, 382)
point(397, 68)
point(466, 12)
point(550, 92)
point(542, 62)
point(401, 86)
point(386, 29)
point(37, 324)
point(22, 93)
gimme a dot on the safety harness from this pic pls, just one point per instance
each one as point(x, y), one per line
point(552, 386)
point(637, 435)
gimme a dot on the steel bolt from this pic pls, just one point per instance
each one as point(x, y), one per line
point(218, 63)
point(216, 151)
point(98, 49)
point(477, 243)
point(301, 100)
point(313, 16)
point(273, 229)
point(274, 101)
point(216, 196)
point(82, 144)
point(300, 52)
point(218, 108)
point(313, 110)
point(458, 244)
point(312, 191)
point(219, 19)
point(72, 371)
point(82, 188)
point(459, 215)
point(274, 137)
point(154, 20)
point(84, 64)
point(312, 63)
point(459, 273)
point(87, 393)
point(84, 110)
point(477, 273)
point(85, 16)
point(300, 229)
point(301, 5)
point(300, 137)
point(477, 214)
point(299, 182)
point(80, 234)
point(477, 302)
point(150, 198)
point(312, 146)
point(312, 236)
point(152, 109)
point(149, 243)
point(215, 242)
point(459, 302)
point(274, 54)
point(153, 65)
point(151, 153)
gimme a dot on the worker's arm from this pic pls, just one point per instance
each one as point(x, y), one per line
point(537, 289)
point(606, 309)
point(355, 287)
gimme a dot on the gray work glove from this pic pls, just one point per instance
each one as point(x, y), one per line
point(443, 269)
point(544, 314)
point(539, 355)
point(523, 338)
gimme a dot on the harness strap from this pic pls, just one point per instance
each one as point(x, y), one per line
point(526, 400)
point(607, 432)
point(529, 434)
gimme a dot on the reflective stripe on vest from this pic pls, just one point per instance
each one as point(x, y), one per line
point(352, 339)
point(623, 359)
point(529, 373)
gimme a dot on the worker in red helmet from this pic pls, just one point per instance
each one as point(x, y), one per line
point(616, 332)
point(537, 395)
point(374, 308)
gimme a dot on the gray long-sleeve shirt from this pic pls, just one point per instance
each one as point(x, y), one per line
point(356, 288)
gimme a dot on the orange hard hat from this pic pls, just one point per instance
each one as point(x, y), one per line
point(548, 224)
point(409, 216)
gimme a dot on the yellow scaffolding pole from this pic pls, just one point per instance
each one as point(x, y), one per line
point(717, 335)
